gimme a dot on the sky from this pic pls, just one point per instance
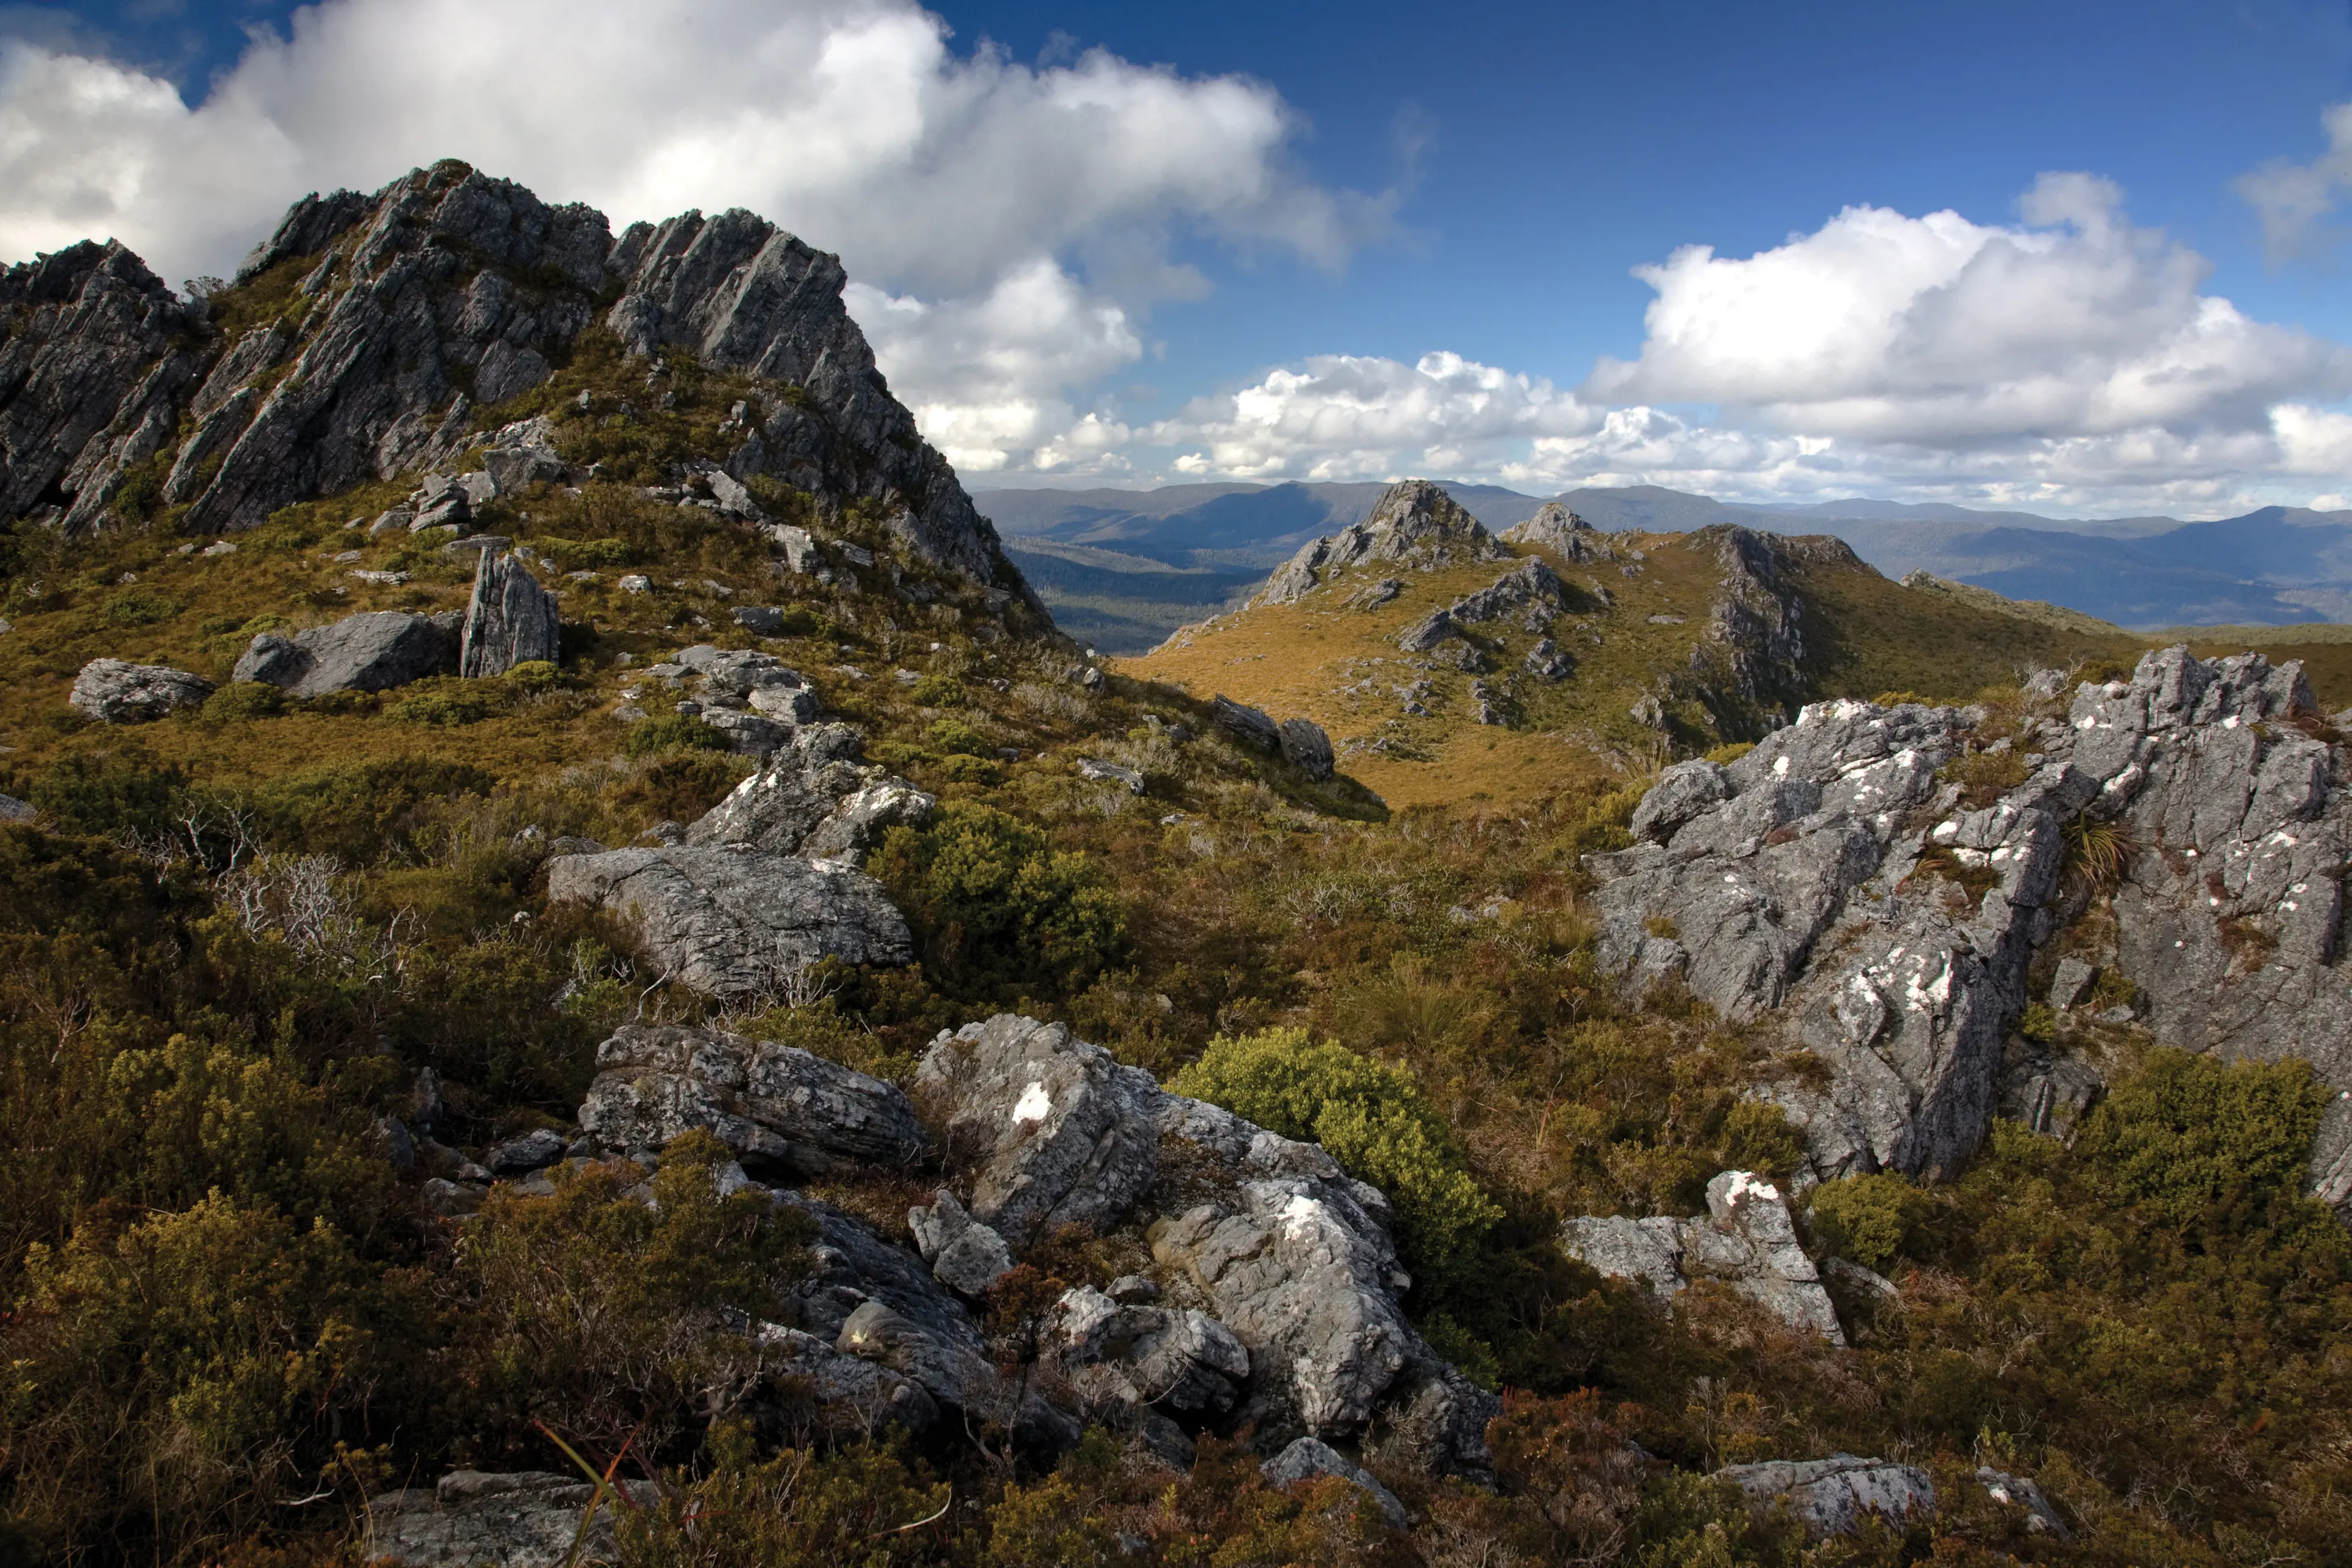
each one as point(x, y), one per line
point(2079, 258)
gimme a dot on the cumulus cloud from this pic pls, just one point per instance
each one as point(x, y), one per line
point(1935, 330)
point(2071, 361)
point(1347, 417)
point(957, 187)
point(2293, 200)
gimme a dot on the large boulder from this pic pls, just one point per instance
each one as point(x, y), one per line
point(1834, 882)
point(1127, 1354)
point(1046, 1130)
point(1747, 1241)
point(773, 1104)
point(115, 691)
point(509, 621)
point(374, 650)
point(1830, 1497)
point(737, 924)
point(1311, 1459)
point(813, 797)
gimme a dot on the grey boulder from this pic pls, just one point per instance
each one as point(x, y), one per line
point(374, 650)
point(1310, 1458)
point(736, 924)
point(114, 691)
point(1045, 1129)
point(1830, 1497)
point(813, 796)
point(1185, 1361)
point(509, 621)
point(1747, 1241)
point(770, 1102)
point(1307, 748)
point(528, 1519)
point(966, 1256)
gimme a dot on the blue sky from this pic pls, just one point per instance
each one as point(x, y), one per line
point(1478, 181)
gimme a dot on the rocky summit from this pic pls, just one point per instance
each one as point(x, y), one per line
point(586, 978)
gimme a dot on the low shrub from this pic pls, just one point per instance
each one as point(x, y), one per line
point(674, 732)
point(1868, 1219)
point(1371, 1117)
point(996, 908)
point(2193, 1138)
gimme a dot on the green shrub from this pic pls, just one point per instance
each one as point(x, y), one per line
point(2039, 1023)
point(138, 607)
point(445, 707)
point(996, 906)
point(1868, 1219)
point(109, 793)
point(957, 738)
point(937, 691)
point(533, 676)
point(1372, 1118)
point(673, 786)
point(674, 732)
point(2191, 1138)
point(245, 700)
point(365, 812)
point(1757, 1137)
point(175, 1380)
point(607, 1317)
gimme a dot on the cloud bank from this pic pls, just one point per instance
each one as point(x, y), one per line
point(1009, 228)
point(2068, 360)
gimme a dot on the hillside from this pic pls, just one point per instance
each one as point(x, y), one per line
point(586, 978)
point(1644, 619)
point(2274, 566)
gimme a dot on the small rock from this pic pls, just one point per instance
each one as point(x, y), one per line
point(1110, 773)
point(450, 1199)
point(965, 1256)
point(1309, 1459)
point(765, 620)
point(219, 547)
point(533, 1151)
point(2071, 984)
point(636, 582)
point(1830, 1496)
point(114, 691)
point(2016, 1492)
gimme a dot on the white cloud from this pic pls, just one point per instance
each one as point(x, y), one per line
point(1345, 417)
point(965, 185)
point(2071, 362)
point(1938, 330)
point(2295, 199)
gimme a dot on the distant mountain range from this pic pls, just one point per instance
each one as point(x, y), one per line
point(1123, 568)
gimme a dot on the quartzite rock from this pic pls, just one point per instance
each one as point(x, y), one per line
point(736, 924)
point(1830, 1496)
point(1799, 879)
point(1182, 1360)
point(965, 1256)
point(838, 1395)
point(813, 798)
point(1746, 1240)
point(1414, 521)
point(510, 620)
point(769, 1102)
point(1249, 725)
point(1307, 748)
point(1309, 1458)
point(113, 691)
point(374, 650)
point(1556, 528)
point(528, 1519)
point(95, 359)
point(444, 291)
point(1052, 1130)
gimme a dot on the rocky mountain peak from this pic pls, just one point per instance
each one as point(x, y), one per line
point(374, 336)
point(1415, 521)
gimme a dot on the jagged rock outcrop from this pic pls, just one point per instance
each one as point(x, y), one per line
point(1415, 522)
point(1830, 1497)
point(95, 357)
point(445, 292)
point(775, 1106)
point(509, 621)
point(813, 796)
point(1556, 528)
point(1747, 1241)
point(735, 924)
point(114, 691)
point(1531, 589)
point(374, 650)
point(1832, 877)
point(1301, 742)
